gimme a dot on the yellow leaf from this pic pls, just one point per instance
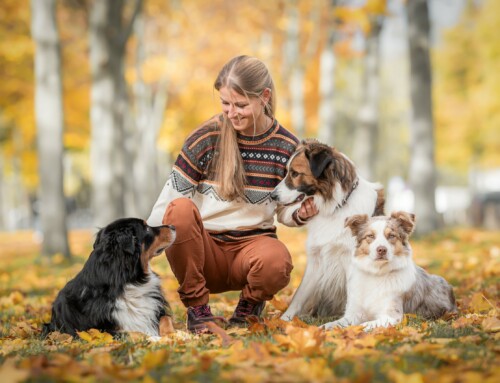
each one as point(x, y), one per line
point(85, 336)
point(10, 373)
point(155, 358)
point(491, 324)
point(479, 303)
point(95, 336)
point(400, 377)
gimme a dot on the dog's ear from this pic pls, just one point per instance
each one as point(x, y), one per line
point(126, 242)
point(355, 223)
point(405, 220)
point(319, 162)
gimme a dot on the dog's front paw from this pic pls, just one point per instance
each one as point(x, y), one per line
point(154, 338)
point(287, 317)
point(335, 324)
point(384, 322)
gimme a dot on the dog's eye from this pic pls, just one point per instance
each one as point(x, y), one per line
point(371, 236)
point(293, 173)
point(391, 236)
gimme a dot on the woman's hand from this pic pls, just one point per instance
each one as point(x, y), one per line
point(307, 210)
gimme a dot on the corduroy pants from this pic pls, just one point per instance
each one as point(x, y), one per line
point(259, 266)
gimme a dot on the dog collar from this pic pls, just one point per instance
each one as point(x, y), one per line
point(344, 201)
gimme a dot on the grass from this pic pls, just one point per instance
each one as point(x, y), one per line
point(463, 349)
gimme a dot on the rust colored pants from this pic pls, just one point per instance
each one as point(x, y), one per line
point(259, 266)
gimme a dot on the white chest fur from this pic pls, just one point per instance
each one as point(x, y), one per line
point(137, 308)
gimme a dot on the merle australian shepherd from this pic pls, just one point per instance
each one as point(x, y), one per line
point(116, 290)
point(326, 175)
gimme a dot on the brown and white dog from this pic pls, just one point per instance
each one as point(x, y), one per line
point(323, 173)
point(384, 282)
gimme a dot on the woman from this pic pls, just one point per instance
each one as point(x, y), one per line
point(218, 198)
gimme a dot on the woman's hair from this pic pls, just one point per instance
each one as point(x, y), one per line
point(249, 77)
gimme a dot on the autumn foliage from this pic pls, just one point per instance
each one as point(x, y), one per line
point(456, 349)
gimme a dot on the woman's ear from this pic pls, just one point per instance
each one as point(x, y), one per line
point(265, 96)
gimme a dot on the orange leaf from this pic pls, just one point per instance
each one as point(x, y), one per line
point(225, 338)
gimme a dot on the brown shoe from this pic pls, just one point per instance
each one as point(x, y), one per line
point(199, 316)
point(246, 310)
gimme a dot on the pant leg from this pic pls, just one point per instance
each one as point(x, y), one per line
point(261, 268)
point(197, 261)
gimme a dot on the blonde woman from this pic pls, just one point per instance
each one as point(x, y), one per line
point(218, 198)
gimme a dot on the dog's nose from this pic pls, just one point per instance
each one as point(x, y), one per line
point(274, 196)
point(381, 251)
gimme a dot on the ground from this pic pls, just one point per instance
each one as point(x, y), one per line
point(464, 348)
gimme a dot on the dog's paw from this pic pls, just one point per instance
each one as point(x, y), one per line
point(331, 325)
point(154, 338)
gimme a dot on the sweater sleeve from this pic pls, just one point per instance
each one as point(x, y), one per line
point(182, 182)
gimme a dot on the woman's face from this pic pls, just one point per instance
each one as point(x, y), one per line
point(245, 114)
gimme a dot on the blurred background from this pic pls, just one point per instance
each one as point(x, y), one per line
point(97, 97)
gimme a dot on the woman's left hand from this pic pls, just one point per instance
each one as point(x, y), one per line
point(307, 210)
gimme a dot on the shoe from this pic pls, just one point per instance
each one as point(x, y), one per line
point(199, 316)
point(245, 310)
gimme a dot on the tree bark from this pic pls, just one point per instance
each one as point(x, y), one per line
point(109, 103)
point(422, 165)
point(295, 70)
point(50, 123)
point(366, 133)
point(150, 110)
point(327, 64)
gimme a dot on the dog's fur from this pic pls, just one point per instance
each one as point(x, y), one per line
point(116, 290)
point(323, 173)
point(384, 282)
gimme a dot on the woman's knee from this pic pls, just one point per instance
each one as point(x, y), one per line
point(274, 263)
point(183, 214)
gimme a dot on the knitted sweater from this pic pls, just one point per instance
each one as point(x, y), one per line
point(264, 158)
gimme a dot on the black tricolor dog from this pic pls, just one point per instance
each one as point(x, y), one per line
point(116, 290)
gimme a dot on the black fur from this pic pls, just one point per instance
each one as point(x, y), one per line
point(88, 300)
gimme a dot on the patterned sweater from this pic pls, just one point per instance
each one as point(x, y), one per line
point(264, 158)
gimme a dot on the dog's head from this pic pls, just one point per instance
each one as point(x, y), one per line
point(130, 243)
point(315, 169)
point(382, 242)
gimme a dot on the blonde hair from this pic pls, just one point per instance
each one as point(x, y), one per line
point(249, 77)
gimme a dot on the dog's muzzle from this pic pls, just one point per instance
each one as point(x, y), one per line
point(275, 197)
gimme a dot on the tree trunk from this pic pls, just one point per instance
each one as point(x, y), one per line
point(366, 133)
point(109, 104)
point(150, 110)
point(422, 166)
point(327, 63)
point(49, 122)
point(294, 70)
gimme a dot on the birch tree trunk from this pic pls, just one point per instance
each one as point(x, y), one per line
point(109, 103)
point(49, 123)
point(150, 109)
point(422, 166)
point(327, 63)
point(366, 133)
point(294, 69)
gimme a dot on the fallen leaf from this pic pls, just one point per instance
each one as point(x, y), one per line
point(278, 304)
point(224, 337)
point(95, 336)
point(10, 373)
point(491, 324)
point(155, 358)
